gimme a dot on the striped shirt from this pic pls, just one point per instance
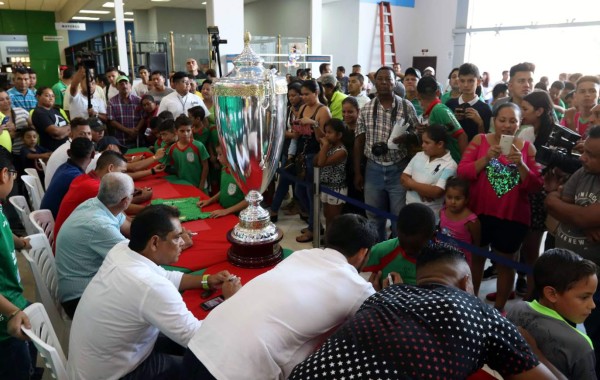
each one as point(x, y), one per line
point(27, 101)
point(20, 119)
point(128, 114)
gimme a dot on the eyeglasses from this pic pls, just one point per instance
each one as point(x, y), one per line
point(13, 172)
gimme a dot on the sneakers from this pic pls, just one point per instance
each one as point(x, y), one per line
point(492, 296)
point(490, 272)
point(521, 288)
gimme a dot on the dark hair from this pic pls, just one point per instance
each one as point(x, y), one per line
point(166, 115)
point(68, 73)
point(23, 131)
point(388, 68)
point(557, 84)
point(31, 71)
point(41, 90)
point(458, 183)
point(427, 87)
point(315, 87)
point(437, 132)
point(485, 82)
point(154, 220)
point(167, 125)
point(206, 81)
point(468, 69)
point(341, 68)
point(498, 89)
point(364, 234)
point(182, 120)
point(540, 86)
point(110, 69)
point(157, 72)
point(211, 72)
point(570, 94)
point(569, 85)
point(6, 160)
point(337, 125)
point(416, 219)
point(102, 78)
point(560, 269)
point(522, 67)
point(451, 72)
point(587, 78)
point(507, 105)
point(357, 65)
point(296, 86)
point(179, 75)
point(359, 76)
point(593, 132)
point(148, 97)
point(81, 147)
point(438, 253)
point(541, 99)
point(155, 122)
point(110, 157)
point(300, 72)
point(323, 66)
point(142, 67)
point(79, 121)
point(21, 70)
point(352, 101)
point(197, 111)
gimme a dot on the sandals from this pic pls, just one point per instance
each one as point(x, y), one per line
point(306, 237)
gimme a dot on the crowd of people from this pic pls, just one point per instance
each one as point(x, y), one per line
point(493, 166)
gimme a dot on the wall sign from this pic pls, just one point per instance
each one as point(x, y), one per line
point(17, 50)
point(69, 26)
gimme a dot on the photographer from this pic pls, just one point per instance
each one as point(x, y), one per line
point(79, 98)
point(381, 183)
point(576, 206)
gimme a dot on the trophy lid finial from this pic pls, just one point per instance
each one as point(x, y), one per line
point(247, 38)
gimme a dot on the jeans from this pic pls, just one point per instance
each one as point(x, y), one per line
point(304, 192)
point(383, 191)
point(17, 359)
point(193, 368)
point(164, 362)
point(282, 188)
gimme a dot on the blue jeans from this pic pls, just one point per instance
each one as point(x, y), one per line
point(282, 187)
point(383, 191)
point(164, 362)
point(193, 368)
point(304, 192)
point(17, 359)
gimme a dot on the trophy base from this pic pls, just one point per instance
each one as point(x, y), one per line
point(254, 255)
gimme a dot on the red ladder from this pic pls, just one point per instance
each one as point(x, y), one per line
point(386, 34)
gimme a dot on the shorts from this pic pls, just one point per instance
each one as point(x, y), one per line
point(503, 235)
point(538, 211)
point(331, 200)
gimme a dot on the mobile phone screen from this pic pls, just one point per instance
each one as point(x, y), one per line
point(5, 120)
point(212, 303)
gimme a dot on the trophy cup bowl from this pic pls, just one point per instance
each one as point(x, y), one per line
point(250, 107)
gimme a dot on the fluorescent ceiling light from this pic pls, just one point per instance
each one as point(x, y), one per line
point(160, 1)
point(128, 13)
point(204, 3)
point(94, 12)
point(1, 2)
point(125, 19)
point(108, 5)
point(86, 18)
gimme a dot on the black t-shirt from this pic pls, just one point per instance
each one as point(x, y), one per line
point(42, 119)
point(469, 125)
point(410, 332)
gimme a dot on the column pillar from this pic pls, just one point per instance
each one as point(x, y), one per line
point(120, 28)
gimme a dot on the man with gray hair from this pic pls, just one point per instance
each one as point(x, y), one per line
point(88, 234)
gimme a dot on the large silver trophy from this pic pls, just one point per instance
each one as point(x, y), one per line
point(250, 107)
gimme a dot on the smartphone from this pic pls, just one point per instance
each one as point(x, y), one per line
point(506, 142)
point(212, 303)
point(5, 120)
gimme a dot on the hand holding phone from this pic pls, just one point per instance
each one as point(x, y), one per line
point(506, 142)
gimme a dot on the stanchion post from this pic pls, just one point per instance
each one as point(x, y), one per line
point(130, 39)
point(316, 208)
point(172, 51)
point(278, 52)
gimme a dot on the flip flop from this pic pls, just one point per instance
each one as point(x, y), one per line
point(305, 237)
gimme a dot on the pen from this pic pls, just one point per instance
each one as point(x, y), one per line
point(390, 280)
point(192, 233)
point(233, 277)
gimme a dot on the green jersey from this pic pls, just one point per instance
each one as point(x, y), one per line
point(440, 114)
point(387, 257)
point(230, 193)
point(188, 161)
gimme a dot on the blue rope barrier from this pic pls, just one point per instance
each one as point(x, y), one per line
point(520, 267)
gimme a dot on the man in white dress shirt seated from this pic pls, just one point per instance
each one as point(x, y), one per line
point(115, 331)
point(180, 101)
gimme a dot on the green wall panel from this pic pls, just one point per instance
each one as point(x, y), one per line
point(14, 22)
point(40, 22)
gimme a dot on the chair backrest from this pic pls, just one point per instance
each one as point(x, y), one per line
point(45, 340)
point(20, 204)
point(42, 264)
point(35, 198)
point(42, 164)
point(34, 173)
point(43, 221)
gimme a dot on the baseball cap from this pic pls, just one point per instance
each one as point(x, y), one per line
point(122, 78)
point(110, 140)
point(412, 71)
point(96, 124)
point(429, 68)
point(328, 79)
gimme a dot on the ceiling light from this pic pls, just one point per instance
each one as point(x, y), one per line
point(108, 5)
point(1, 2)
point(204, 3)
point(160, 1)
point(86, 18)
point(128, 13)
point(94, 12)
point(125, 19)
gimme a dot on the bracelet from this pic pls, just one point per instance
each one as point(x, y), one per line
point(152, 171)
point(13, 314)
point(205, 282)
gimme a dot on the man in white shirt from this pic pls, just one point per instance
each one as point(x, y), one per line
point(145, 85)
point(279, 318)
point(180, 101)
point(115, 331)
point(79, 98)
point(355, 89)
point(159, 90)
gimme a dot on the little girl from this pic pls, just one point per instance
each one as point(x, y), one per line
point(425, 176)
point(456, 220)
point(332, 160)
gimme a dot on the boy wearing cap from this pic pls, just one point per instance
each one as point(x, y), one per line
point(333, 95)
point(123, 113)
point(411, 78)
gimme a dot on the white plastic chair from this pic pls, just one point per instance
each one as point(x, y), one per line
point(42, 165)
point(20, 204)
point(45, 340)
point(32, 172)
point(35, 198)
point(43, 222)
point(42, 264)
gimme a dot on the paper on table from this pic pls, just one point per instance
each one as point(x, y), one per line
point(398, 130)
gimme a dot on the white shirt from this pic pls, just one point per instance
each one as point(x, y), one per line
point(79, 106)
point(177, 104)
point(67, 98)
point(362, 99)
point(59, 157)
point(276, 320)
point(120, 314)
point(141, 89)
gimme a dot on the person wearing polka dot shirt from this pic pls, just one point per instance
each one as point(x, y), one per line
point(436, 329)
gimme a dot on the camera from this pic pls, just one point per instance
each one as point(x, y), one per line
point(379, 149)
point(87, 58)
point(558, 150)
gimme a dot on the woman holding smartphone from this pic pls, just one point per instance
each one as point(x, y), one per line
point(500, 186)
point(313, 114)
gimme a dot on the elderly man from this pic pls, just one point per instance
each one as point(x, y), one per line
point(21, 95)
point(437, 327)
point(159, 90)
point(264, 337)
point(180, 101)
point(194, 71)
point(115, 333)
point(123, 113)
point(88, 234)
